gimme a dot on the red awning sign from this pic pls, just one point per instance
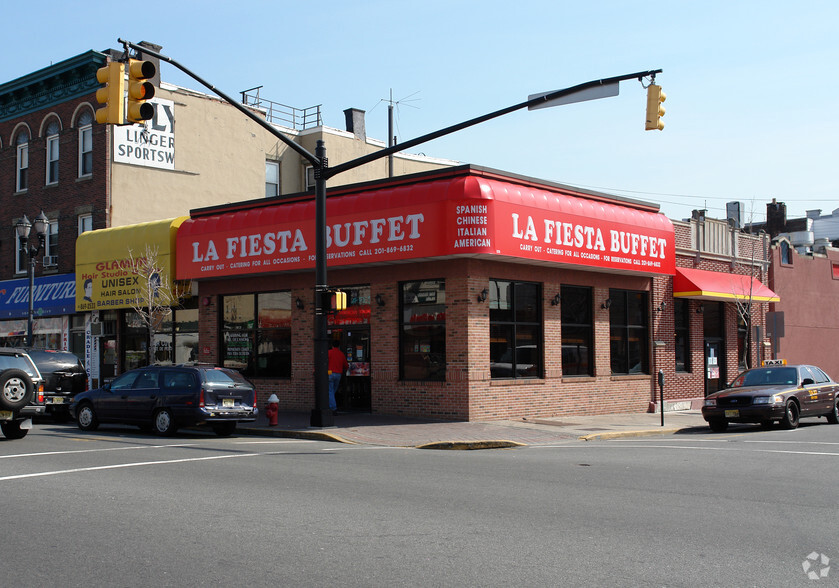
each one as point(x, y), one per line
point(468, 215)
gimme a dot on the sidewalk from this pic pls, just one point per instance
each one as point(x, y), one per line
point(392, 431)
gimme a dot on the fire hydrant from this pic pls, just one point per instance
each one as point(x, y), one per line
point(272, 409)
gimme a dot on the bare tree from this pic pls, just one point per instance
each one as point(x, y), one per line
point(154, 296)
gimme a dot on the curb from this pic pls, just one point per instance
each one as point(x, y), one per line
point(629, 434)
point(470, 445)
point(291, 434)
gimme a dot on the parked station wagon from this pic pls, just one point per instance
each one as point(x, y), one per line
point(165, 398)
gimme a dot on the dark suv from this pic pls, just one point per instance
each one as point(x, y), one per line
point(168, 397)
point(64, 377)
point(21, 392)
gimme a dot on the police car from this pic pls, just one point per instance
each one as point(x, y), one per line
point(774, 392)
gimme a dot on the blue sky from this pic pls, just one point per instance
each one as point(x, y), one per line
point(751, 87)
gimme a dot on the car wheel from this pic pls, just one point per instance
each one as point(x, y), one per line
point(12, 430)
point(163, 423)
point(86, 418)
point(790, 418)
point(15, 389)
point(718, 425)
point(224, 429)
point(833, 416)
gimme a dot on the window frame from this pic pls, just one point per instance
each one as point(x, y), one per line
point(255, 335)
point(22, 166)
point(681, 334)
point(52, 159)
point(431, 353)
point(622, 331)
point(85, 154)
point(275, 165)
point(82, 221)
point(510, 322)
point(586, 329)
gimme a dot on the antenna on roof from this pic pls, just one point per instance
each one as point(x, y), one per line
point(391, 137)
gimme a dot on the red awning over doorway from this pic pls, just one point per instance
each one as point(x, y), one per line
point(705, 285)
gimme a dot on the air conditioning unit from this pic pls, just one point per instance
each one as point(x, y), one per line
point(50, 260)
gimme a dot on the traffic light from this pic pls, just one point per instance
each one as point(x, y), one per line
point(333, 300)
point(339, 300)
point(140, 90)
point(113, 77)
point(655, 110)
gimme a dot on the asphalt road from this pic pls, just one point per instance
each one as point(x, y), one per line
point(121, 508)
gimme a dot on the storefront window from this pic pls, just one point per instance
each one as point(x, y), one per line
point(136, 341)
point(577, 329)
point(682, 332)
point(629, 333)
point(256, 334)
point(422, 329)
point(515, 329)
point(181, 344)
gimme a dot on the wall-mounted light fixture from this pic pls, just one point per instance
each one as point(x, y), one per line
point(555, 300)
point(206, 301)
point(700, 309)
point(483, 295)
point(299, 304)
point(380, 300)
point(661, 307)
point(606, 303)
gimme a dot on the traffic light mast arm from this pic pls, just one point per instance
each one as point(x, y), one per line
point(260, 121)
point(454, 128)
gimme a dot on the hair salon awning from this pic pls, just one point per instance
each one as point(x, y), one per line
point(705, 285)
point(103, 279)
point(459, 212)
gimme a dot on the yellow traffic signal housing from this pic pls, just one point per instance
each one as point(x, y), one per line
point(111, 95)
point(655, 110)
point(140, 90)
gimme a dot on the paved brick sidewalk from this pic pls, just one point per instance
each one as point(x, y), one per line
point(392, 431)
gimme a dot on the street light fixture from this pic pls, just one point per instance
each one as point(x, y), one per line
point(23, 227)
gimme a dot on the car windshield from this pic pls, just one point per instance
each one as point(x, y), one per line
point(774, 376)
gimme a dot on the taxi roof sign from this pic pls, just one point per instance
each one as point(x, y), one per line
point(767, 362)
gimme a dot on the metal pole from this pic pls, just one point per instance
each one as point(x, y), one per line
point(32, 253)
point(321, 415)
point(661, 393)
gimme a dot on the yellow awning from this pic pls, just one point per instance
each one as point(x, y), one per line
point(104, 278)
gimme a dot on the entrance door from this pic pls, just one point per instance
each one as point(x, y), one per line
point(354, 393)
point(714, 366)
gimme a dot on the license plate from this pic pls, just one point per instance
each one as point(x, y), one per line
point(6, 415)
point(228, 402)
point(55, 400)
point(732, 413)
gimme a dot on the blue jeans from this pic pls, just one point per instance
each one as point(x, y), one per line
point(334, 380)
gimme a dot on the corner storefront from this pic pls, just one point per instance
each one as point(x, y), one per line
point(473, 294)
point(55, 325)
point(108, 289)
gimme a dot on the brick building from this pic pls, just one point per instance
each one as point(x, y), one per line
point(477, 294)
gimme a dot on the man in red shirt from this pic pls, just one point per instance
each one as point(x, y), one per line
point(337, 366)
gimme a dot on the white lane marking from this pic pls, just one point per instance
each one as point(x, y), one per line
point(273, 441)
point(71, 451)
point(741, 449)
point(124, 465)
